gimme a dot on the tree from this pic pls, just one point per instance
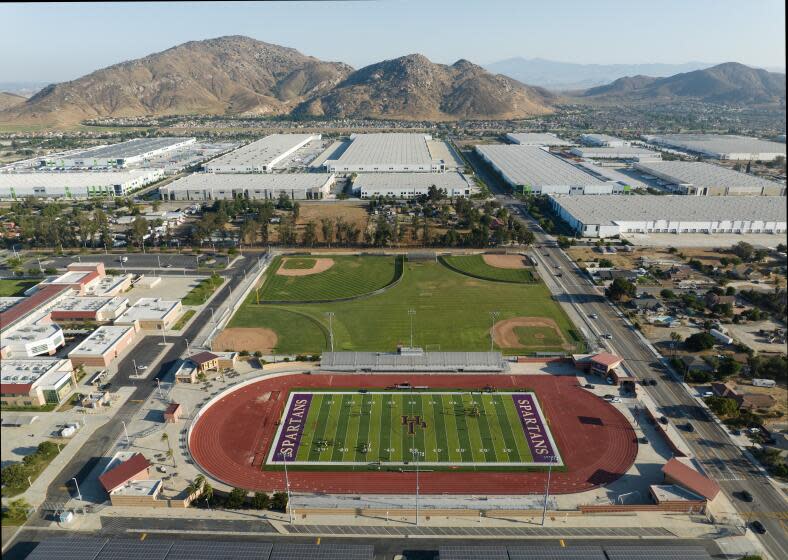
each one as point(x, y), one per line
point(236, 498)
point(17, 509)
point(139, 229)
point(676, 339)
point(260, 500)
point(699, 342)
point(14, 475)
point(621, 288)
point(327, 228)
point(667, 294)
point(310, 234)
point(564, 242)
point(728, 368)
point(723, 406)
point(279, 501)
point(743, 250)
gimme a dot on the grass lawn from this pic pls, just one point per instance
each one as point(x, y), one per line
point(349, 276)
point(294, 263)
point(474, 265)
point(202, 291)
point(32, 466)
point(184, 319)
point(450, 428)
point(12, 288)
point(452, 313)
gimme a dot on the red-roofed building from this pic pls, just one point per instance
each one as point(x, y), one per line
point(205, 361)
point(600, 364)
point(685, 476)
point(173, 412)
point(116, 476)
point(39, 298)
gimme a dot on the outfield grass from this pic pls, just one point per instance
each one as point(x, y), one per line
point(452, 313)
point(474, 265)
point(13, 288)
point(296, 263)
point(349, 276)
point(441, 428)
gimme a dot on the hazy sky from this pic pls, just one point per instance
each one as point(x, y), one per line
point(57, 42)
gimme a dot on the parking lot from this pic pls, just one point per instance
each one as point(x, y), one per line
point(136, 262)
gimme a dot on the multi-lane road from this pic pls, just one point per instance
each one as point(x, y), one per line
point(712, 446)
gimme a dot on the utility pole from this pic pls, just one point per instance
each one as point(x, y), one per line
point(547, 488)
point(411, 313)
point(330, 315)
point(493, 318)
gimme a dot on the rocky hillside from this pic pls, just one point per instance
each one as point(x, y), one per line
point(411, 87)
point(730, 84)
point(216, 76)
point(10, 100)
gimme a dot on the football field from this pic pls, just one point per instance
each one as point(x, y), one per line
point(395, 427)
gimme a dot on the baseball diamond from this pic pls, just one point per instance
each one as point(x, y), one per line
point(458, 428)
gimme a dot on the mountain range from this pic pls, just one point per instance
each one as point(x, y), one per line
point(242, 76)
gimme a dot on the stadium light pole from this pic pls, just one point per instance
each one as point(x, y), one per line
point(330, 315)
point(547, 488)
point(287, 486)
point(411, 313)
point(493, 318)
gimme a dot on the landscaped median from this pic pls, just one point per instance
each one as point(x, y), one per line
point(183, 320)
point(202, 291)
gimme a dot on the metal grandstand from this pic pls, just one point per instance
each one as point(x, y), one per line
point(413, 359)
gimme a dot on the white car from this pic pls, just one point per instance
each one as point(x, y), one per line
point(615, 400)
point(162, 469)
point(142, 368)
point(594, 316)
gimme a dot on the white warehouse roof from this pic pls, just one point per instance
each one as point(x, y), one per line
point(138, 147)
point(536, 139)
point(607, 209)
point(385, 182)
point(261, 155)
point(721, 146)
point(620, 152)
point(72, 180)
point(532, 166)
point(271, 181)
point(702, 174)
point(387, 149)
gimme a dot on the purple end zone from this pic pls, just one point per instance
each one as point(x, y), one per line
point(534, 428)
point(292, 427)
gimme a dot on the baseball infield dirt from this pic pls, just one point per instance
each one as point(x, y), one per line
point(321, 265)
point(506, 335)
point(505, 261)
point(244, 338)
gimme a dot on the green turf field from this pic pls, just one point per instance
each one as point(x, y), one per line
point(451, 428)
point(537, 336)
point(349, 276)
point(452, 313)
point(474, 265)
point(298, 263)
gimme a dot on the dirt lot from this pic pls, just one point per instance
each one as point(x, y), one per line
point(748, 334)
point(505, 261)
point(350, 212)
point(243, 338)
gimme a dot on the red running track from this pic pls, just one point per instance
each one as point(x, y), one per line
point(232, 438)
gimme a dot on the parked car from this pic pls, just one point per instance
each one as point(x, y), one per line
point(758, 527)
point(746, 496)
point(652, 382)
point(643, 439)
point(589, 386)
point(663, 420)
point(736, 432)
point(615, 400)
point(689, 427)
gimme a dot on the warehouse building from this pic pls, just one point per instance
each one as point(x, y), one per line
point(410, 185)
point(622, 153)
point(35, 382)
point(705, 179)
point(536, 139)
point(606, 216)
point(118, 155)
point(721, 146)
point(103, 346)
point(387, 153)
point(261, 156)
point(602, 140)
point(76, 184)
point(98, 309)
point(210, 186)
point(529, 169)
point(151, 314)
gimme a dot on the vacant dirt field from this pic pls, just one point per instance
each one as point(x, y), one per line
point(245, 338)
point(505, 332)
point(505, 261)
point(321, 265)
point(349, 212)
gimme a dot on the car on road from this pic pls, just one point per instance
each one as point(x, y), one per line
point(123, 259)
point(559, 275)
point(736, 432)
point(167, 265)
point(746, 496)
point(607, 336)
point(758, 527)
point(663, 420)
point(594, 316)
point(557, 266)
point(689, 427)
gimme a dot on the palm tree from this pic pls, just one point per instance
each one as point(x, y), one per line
point(676, 338)
point(171, 455)
point(207, 493)
point(165, 437)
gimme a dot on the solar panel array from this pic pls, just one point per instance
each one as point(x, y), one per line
point(553, 552)
point(657, 553)
point(460, 552)
point(77, 548)
point(556, 553)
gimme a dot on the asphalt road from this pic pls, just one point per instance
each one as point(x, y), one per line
point(385, 549)
point(62, 487)
point(710, 444)
point(135, 261)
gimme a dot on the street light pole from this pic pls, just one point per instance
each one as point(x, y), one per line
point(330, 315)
point(126, 432)
point(547, 488)
point(411, 313)
point(213, 317)
point(287, 486)
point(136, 371)
point(493, 318)
point(158, 386)
point(79, 494)
point(187, 347)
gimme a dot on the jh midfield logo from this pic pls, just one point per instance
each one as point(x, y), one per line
point(413, 422)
